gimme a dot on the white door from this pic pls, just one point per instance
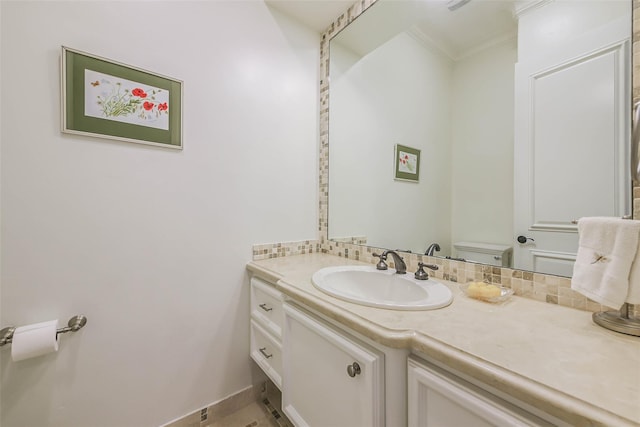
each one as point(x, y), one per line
point(572, 121)
point(329, 379)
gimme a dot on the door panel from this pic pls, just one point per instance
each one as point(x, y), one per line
point(572, 115)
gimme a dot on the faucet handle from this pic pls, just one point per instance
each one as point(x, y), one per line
point(429, 266)
point(421, 274)
point(381, 265)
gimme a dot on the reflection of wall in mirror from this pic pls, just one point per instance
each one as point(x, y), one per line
point(480, 134)
point(559, 22)
point(409, 93)
point(482, 144)
point(397, 94)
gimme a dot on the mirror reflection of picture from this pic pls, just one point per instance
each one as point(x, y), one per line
point(407, 163)
point(503, 118)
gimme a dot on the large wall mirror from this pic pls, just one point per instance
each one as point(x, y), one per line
point(508, 120)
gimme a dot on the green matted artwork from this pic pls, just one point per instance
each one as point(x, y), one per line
point(406, 163)
point(106, 99)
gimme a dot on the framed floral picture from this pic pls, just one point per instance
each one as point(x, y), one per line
point(407, 163)
point(106, 99)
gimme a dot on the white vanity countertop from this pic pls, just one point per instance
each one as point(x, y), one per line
point(551, 357)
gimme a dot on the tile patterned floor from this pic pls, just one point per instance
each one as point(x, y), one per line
point(256, 414)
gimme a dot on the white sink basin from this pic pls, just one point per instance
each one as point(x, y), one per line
point(367, 286)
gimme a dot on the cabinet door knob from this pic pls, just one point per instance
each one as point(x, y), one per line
point(265, 308)
point(353, 369)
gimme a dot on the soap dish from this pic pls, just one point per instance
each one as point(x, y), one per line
point(476, 293)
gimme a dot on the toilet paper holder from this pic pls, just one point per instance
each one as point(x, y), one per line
point(75, 324)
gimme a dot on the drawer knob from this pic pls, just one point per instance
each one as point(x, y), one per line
point(265, 308)
point(353, 369)
point(264, 352)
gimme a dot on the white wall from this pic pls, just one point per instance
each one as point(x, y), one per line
point(482, 139)
point(559, 22)
point(149, 243)
point(397, 94)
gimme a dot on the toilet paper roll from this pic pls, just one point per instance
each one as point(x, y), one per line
point(34, 340)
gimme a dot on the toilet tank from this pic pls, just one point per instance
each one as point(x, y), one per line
point(485, 253)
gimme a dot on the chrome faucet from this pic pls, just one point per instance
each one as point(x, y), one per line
point(401, 267)
point(432, 247)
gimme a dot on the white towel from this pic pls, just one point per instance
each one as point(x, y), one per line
point(607, 268)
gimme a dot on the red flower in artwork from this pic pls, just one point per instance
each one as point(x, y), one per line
point(163, 107)
point(148, 106)
point(139, 92)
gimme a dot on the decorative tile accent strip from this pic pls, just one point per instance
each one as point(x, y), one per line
point(275, 250)
point(541, 287)
point(278, 418)
point(356, 240)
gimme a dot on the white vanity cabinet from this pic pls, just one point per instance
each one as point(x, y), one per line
point(439, 398)
point(329, 378)
point(331, 375)
point(266, 329)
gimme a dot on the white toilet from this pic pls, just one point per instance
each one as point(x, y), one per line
point(485, 253)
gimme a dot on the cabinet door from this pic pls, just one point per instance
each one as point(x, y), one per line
point(329, 379)
point(440, 399)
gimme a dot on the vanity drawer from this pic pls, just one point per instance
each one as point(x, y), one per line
point(266, 306)
point(266, 351)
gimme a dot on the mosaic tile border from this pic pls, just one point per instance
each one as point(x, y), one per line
point(276, 250)
point(541, 287)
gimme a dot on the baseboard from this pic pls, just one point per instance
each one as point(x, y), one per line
point(219, 409)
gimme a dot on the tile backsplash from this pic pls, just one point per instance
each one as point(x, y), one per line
point(541, 287)
point(275, 250)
